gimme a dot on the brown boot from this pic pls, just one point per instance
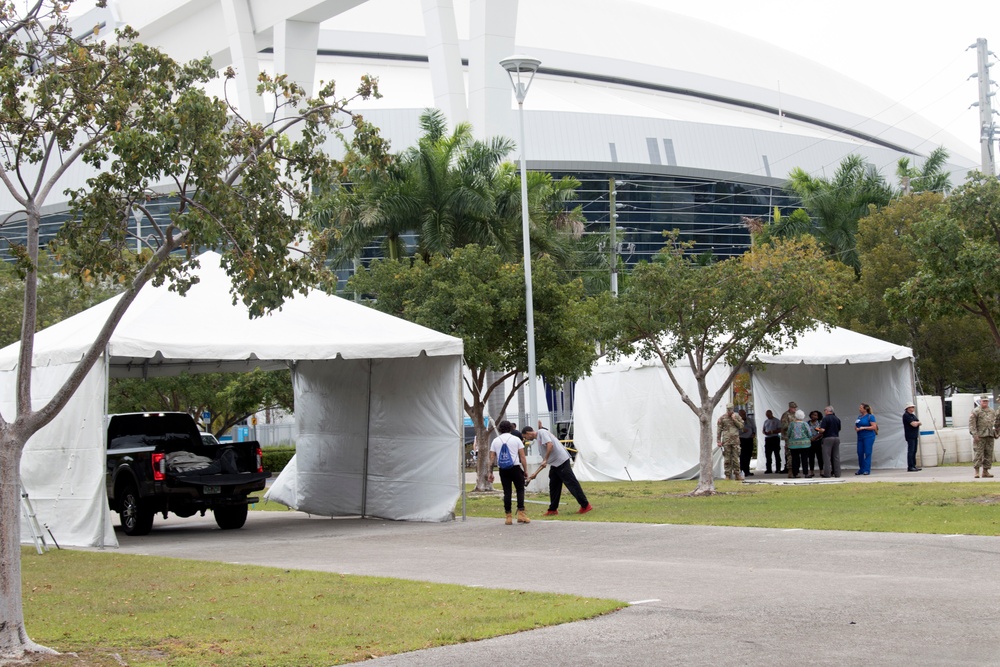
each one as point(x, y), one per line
point(977, 472)
point(987, 473)
point(510, 519)
point(522, 517)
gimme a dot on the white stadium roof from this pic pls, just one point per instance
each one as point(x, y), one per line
point(623, 86)
point(625, 73)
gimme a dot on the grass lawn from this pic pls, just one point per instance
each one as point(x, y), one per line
point(924, 507)
point(157, 611)
point(162, 611)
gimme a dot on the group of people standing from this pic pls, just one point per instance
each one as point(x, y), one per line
point(813, 445)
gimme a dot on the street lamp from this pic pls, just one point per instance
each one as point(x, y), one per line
point(521, 70)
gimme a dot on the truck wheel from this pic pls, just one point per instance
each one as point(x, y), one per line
point(135, 517)
point(230, 517)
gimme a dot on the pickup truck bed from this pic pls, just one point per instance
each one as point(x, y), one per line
point(141, 483)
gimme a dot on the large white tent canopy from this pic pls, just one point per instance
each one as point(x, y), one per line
point(630, 422)
point(378, 400)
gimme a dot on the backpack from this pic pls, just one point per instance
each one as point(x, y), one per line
point(505, 460)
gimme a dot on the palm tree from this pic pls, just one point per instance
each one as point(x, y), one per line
point(441, 191)
point(931, 177)
point(452, 179)
point(835, 205)
point(448, 191)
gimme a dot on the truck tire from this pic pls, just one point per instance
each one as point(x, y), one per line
point(136, 518)
point(230, 517)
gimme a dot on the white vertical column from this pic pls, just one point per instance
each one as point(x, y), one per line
point(445, 60)
point(295, 46)
point(492, 24)
point(243, 50)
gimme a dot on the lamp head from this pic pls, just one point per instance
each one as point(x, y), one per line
point(520, 68)
point(520, 64)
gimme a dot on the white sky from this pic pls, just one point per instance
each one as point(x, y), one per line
point(913, 52)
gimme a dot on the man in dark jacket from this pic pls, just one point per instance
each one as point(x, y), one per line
point(911, 432)
point(830, 428)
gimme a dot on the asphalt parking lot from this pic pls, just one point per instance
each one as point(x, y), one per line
point(698, 594)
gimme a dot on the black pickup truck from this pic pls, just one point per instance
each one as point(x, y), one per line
point(157, 462)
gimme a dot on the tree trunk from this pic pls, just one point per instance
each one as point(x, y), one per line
point(482, 449)
point(706, 479)
point(14, 641)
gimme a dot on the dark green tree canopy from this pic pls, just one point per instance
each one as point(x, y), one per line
point(957, 253)
point(952, 350)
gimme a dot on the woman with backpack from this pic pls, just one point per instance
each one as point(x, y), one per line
point(507, 452)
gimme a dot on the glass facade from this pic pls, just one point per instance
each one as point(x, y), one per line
point(14, 232)
point(711, 213)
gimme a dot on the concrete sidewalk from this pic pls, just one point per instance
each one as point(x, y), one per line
point(698, 594)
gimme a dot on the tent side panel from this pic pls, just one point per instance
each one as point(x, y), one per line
point(63, 465)
point(887, 387)
point(331, 411)
point(632, 424)
point(774, 385)
point(415, 443)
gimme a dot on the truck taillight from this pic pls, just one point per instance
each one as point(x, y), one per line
point(159, 467)
point(260, 460)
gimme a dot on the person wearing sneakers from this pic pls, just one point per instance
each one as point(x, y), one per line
point(507, 452)
point(983, 427)
point(556, 459)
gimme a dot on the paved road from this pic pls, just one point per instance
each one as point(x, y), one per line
point(708, 595)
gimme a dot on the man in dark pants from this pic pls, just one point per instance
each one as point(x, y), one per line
point(772, 442)
point(911, 432)
point(830, 428)
point(747, 434)
point(555, 456)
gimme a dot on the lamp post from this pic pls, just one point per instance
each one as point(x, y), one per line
point(521, 70)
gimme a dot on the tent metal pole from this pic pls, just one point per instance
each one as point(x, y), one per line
point(913, 397)
point(104, 439)
point(826, 374)
point(461, 438)
point(368, 427)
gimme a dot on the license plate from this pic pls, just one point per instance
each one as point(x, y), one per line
point(212, 489)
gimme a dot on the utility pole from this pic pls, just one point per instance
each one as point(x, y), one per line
point(987, 126)
point(612, 192)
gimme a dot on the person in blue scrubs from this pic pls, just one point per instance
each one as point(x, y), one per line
point(867, 429)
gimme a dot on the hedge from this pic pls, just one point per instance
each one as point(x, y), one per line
point(276, 458)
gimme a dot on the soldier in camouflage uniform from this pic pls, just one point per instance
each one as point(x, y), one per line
point(787, 418)
point(728, 437)
point(983, 427)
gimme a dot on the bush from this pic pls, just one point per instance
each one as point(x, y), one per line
point(276, 458)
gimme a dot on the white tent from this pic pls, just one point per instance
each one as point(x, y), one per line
point(377, 400)
point(631, 424)
point(841, 368)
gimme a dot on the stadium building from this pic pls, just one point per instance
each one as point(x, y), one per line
point(698, 126)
